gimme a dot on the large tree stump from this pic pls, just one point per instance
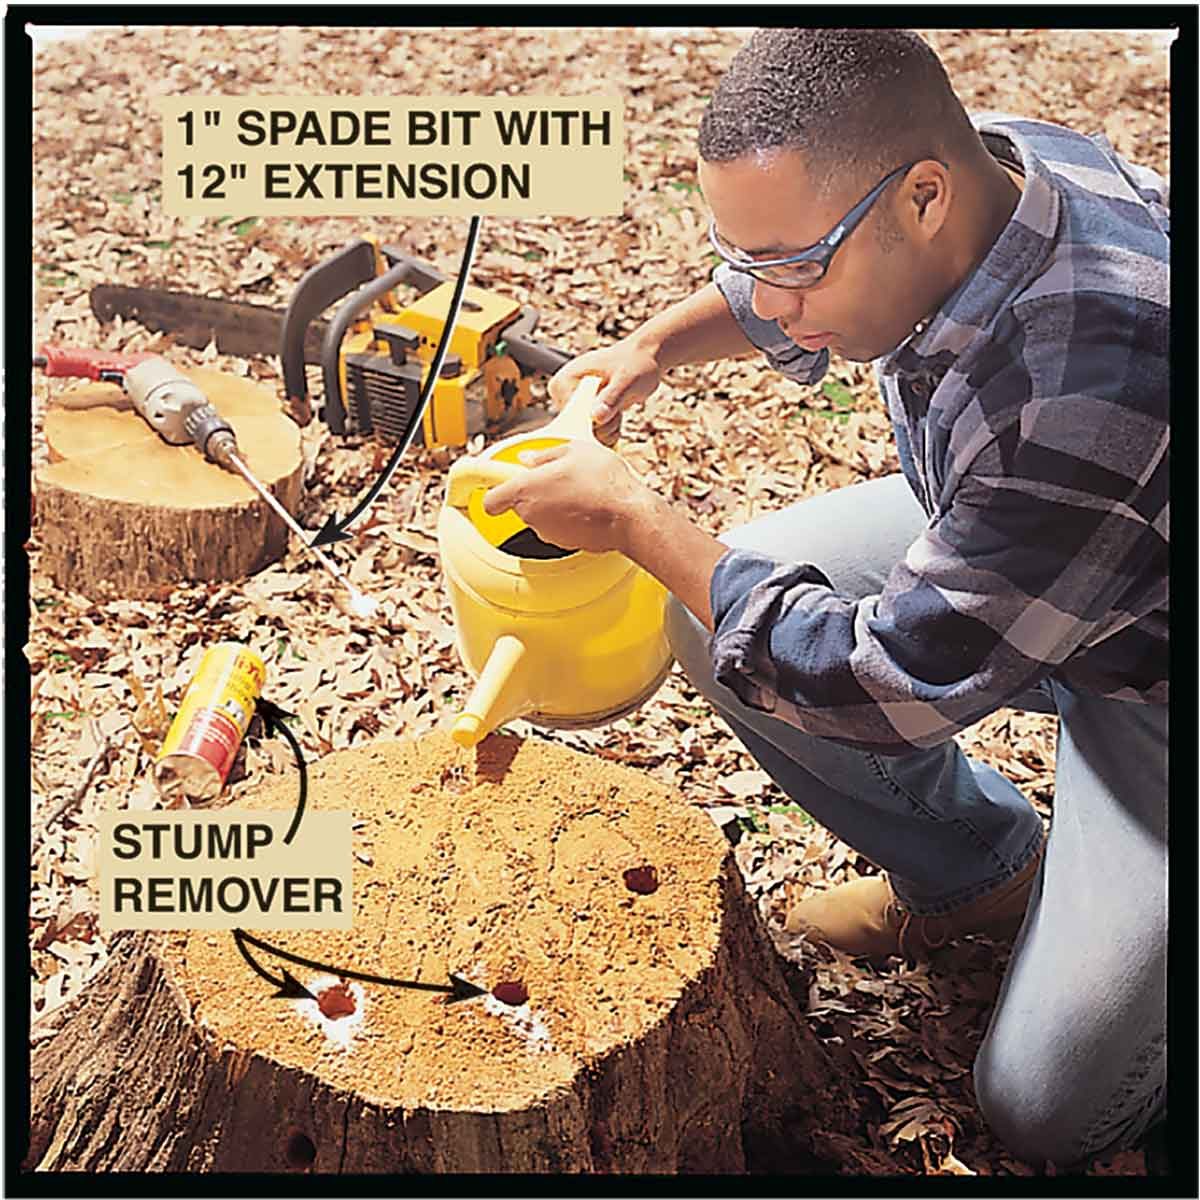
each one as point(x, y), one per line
point(660, 1033)
point(121, 513)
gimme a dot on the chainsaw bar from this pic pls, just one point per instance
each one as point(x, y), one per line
point(240, 329)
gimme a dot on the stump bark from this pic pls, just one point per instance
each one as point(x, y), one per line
point(121, 513)
point(661, 1031)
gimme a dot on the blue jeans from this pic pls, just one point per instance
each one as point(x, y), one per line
point(1074, 1060)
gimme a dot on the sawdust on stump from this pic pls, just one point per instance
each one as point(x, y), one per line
point(623, 1029)
point(122, 513)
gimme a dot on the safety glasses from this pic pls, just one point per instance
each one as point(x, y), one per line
point(806, 267)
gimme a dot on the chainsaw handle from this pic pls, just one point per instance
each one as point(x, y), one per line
point(318, 288)
point(74, 362)
point(469, 473)
point(530, 355)
point(421, 275)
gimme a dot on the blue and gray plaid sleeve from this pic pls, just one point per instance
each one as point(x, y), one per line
point(1047, 548)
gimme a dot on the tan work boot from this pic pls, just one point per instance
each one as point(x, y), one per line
point(866, 917)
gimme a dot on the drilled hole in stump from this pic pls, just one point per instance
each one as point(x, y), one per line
point(514, 993)
point(336, 1001)
point(456, 779)
point(301, 1150)
point(642, 880)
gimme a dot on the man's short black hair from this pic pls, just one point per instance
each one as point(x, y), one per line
point(853, 102)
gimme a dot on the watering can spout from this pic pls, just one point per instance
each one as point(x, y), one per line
point(499, 694)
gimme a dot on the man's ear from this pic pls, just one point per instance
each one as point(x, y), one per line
point(928, 192)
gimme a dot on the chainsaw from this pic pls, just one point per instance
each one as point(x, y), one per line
point(375, 351)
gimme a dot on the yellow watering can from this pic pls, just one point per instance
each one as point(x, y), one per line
point(562, 638)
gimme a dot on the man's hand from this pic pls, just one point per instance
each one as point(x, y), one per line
point(700, 328)
point(580, 496)
point(629, 373)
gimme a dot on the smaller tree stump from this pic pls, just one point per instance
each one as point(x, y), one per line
point(121, 513)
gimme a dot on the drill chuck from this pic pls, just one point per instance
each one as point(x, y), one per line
point(209, 432)
point(220, 447)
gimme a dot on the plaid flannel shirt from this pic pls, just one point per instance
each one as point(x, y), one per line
point(1031, 419)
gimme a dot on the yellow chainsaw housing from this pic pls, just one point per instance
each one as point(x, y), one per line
point(486, 385)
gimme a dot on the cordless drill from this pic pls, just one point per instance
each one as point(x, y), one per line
point(173, 406)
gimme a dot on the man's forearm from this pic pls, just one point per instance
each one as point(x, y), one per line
point(700, 328)
point(681, 556)
point(659, 538)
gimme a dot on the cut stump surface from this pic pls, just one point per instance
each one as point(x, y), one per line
point(626, 1027)
point(121, 513)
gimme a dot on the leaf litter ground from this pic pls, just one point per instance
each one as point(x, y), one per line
point(727, 442)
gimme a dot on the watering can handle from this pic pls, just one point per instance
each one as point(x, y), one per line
point(574, 419)
point(469, 473)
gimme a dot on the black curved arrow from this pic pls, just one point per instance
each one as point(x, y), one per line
point(273, 718)
point(334, 530)
point(290, 988)
point(458, 987)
